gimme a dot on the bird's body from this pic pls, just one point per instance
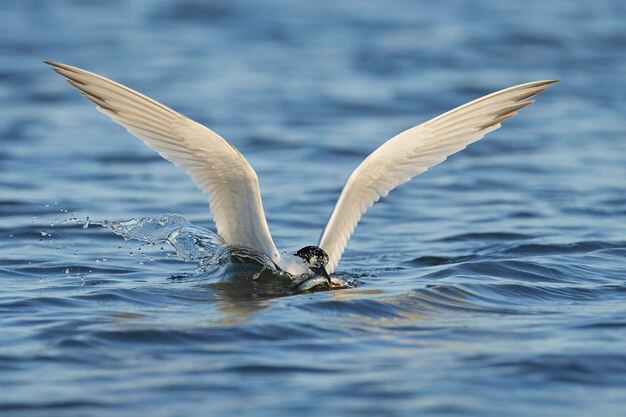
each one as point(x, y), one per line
point(232, 187)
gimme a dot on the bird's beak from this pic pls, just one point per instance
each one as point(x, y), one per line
point(322, 271)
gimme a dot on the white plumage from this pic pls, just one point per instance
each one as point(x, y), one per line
point(414, 151)
point(232, 187)
point(218, 168)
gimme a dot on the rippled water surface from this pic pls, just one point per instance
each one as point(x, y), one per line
point(492, 285)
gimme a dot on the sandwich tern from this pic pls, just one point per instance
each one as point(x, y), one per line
point(232, 186)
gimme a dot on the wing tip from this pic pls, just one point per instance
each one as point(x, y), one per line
point(543, 82)
point(55, 64)
point(58, 66)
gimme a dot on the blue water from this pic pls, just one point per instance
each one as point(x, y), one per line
point(494, 284)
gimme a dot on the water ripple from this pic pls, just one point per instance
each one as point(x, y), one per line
point(491, 285)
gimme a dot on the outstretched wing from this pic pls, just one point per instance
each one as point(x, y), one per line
point(414, 151)
point(218, 169)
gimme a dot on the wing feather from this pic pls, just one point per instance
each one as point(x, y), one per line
point(218, 168)
point(414, 151)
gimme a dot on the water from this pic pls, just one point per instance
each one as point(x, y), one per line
point(491, 285)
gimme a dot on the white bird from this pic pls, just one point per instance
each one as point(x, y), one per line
point(232, 187)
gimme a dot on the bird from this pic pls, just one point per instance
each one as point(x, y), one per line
point(231, 185)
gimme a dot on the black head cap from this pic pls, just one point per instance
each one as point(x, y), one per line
point(314, 256)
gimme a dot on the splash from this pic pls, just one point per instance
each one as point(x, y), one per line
point(192, 243)
point(195, 243)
